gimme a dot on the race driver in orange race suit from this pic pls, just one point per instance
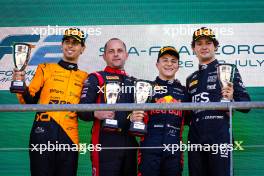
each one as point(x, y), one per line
point(56, 83)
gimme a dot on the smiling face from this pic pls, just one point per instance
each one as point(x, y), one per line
point(204, 49)
point(167, 65)
point(115, 54)
point(72, 49)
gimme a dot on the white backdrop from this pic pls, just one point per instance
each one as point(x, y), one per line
point(241, 44)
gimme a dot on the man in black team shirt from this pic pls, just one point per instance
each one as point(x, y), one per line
point(164, 126)
point(110, 162)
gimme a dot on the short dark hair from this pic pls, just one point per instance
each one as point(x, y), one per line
point(112, 40)
point(216, 43)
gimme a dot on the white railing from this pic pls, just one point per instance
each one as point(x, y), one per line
point(132, 106)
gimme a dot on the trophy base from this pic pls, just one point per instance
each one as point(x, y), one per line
point(18, 87)
point(110, 125)
point(137, 129)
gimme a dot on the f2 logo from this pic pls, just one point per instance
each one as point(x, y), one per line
point(40, 53)
point(6, 43)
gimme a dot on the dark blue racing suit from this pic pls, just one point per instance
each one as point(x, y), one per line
point(210, 127)
point(164, 127)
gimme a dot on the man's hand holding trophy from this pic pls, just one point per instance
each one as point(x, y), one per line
point(143, 93)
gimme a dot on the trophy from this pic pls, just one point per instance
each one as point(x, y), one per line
point(21, 53)
point(143, 94)
point(111, 94)
point(225, 74)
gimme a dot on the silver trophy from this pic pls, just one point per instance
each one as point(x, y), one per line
point(143, 94)
point(111, 93)
point(21, 54)
point(225, 74)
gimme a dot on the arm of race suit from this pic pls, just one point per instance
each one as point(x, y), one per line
point(240, 92)
point(32, 94)
point(89, 95)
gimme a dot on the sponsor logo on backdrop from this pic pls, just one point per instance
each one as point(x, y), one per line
point(247, 55)
point(40, 55)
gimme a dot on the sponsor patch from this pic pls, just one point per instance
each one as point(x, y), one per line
point(211, 87)
point(179, 90)
point(211, 73)
point(213, 117)
point(193, 91)
point(193, 83)
point(194, 76)
point(212, 79)
point(112, 77)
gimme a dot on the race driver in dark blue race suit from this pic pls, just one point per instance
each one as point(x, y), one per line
point(210, 126)
point(164, 127)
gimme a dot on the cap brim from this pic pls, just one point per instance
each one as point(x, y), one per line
point(72, 36)
point(170, 52)
point(210, 37)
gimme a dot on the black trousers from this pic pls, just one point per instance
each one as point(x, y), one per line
point(51, 162)
point(159, 163)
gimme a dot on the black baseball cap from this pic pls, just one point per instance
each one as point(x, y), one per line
point(168, 50)
point(75, 33)
point(203, 32)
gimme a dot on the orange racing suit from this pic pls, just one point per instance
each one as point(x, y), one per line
point(54, 83)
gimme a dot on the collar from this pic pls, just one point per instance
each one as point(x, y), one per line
point(165, 82)
point(68, 65)
point(205, 66)
point(114, 70)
